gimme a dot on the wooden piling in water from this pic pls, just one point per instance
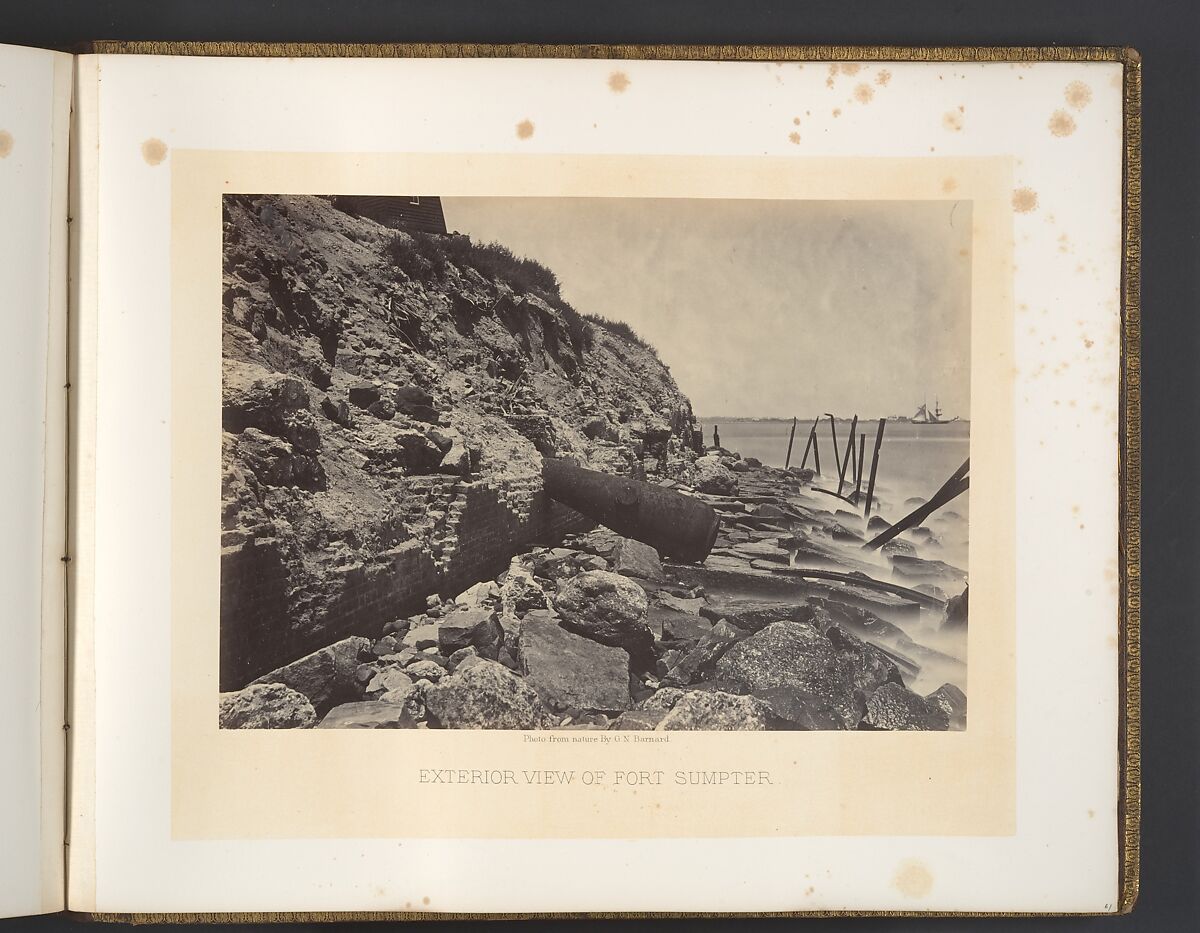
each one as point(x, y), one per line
point(833, 431)
point(862, 457)
point(788, 461)
point(874, 467)
point(848, 455)
point(812, 442)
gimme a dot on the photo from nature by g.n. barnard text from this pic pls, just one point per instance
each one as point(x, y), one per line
point(594, 463)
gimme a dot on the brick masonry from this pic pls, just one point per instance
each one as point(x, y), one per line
point(465, 530)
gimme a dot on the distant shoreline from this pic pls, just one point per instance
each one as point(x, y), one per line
point(708, 419)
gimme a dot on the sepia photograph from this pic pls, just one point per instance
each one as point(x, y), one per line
point(594, 463)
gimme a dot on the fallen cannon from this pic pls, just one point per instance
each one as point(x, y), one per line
point(677, 526)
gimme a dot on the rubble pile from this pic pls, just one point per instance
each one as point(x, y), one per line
point(599, 633)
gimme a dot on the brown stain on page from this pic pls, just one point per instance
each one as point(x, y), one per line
point(953, 120)
point(883, 78)
point(864, 93)
point(795, 138)
point(949, 185)
point(618, 81)
point(6, 143)
point(524, 129)
point(1024, 200)
point(154, 151)
point(1078, 95)
point(1061, 123)
point(913, 879)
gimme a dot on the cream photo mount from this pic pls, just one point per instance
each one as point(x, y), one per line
point(268, 784)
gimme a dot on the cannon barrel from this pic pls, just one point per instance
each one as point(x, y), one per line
point(677, 526)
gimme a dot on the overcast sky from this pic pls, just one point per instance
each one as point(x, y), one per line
point(765, 308)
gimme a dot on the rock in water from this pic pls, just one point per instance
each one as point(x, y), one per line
point(369, 714)
point(953, 702)
point(607, 608)
point(917, 568)
point(712, 711)
point(632, 558)
point(486, 695)
point(895, 707)
point(794, 655)
point(326, 677)
point(266, 706)
point(761, 550)
point(867, 667)
point(569, 671)
point(899, 547)
point(956, 611)
point(714, 478)
point(475, 628)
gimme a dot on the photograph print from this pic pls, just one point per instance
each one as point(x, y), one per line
point(594, 463)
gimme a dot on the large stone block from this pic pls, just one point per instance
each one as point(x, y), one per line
point(572, 672)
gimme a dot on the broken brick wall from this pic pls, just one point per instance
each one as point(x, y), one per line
point(485, 524)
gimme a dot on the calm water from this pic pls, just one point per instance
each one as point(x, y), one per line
point(914, 461)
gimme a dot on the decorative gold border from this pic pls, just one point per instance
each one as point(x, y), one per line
point(768, 53)
point(1130, 441)
point(1129, 811)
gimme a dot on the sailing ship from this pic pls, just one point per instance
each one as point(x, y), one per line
point(925, 416)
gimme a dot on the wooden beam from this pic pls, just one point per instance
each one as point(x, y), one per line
point(830, 492)
point(848, 455)
point(862, 459)
point(812, 442)
point(874, 467)
point(788, 461)
point(833, 430)
point(870, 583)
point(954, 487)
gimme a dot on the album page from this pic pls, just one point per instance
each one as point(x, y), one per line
point(515, 473)
point(35, 101)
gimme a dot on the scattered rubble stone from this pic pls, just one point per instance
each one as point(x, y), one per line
point(893, 706)
point(607, 608)
point(369, 714)
point(266, 706)
point(633, 559)
point(486, 695)
point(713, 711)
point(571, 671)
point(326, 676)
point(953, 702)
point(714, 478)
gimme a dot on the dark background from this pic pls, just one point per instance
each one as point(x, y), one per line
point(1165, 33)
